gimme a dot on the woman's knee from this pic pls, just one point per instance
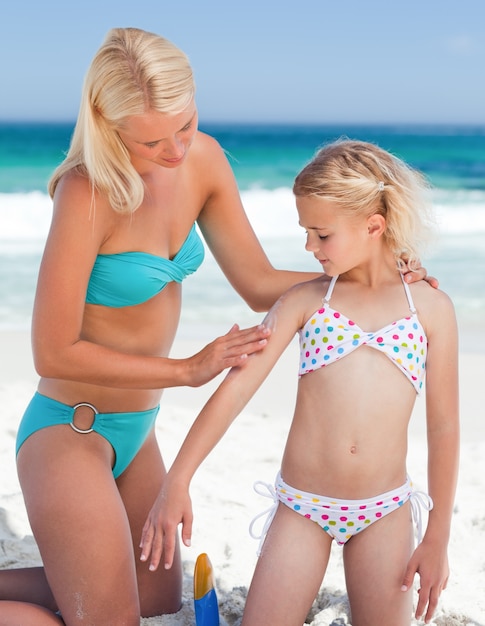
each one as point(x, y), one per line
point(160, 591)
point(26, 613)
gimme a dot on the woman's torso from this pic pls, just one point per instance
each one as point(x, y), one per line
point(159, 227)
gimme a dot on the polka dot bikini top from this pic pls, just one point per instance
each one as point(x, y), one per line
point(328, 336)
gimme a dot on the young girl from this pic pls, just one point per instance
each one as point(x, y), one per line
point(366, 341)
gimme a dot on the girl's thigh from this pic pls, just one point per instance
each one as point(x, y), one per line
point(80, 524)
point(289, 571)
point(160, 591)
point(375, 561)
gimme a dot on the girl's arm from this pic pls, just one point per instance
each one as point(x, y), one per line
point(173, 504)
point(430, 558)
point(77, 232)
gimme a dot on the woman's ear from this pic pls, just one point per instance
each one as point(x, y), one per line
point(376, 225)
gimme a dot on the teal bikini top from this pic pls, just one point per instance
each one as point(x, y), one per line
point(130, 278)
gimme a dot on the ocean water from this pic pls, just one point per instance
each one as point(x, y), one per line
point(265, 159)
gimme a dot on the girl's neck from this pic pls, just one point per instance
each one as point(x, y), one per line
point(381, 269)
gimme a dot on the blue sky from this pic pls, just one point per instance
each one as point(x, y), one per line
point(264, 60)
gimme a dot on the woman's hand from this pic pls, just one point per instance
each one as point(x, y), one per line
point(417, 273)
point(172, 507)
point(230, 350)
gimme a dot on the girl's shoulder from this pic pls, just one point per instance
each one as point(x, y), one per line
point(307, 296)
point(434, 307)
point(315, 287)
point(425, 296)
point(296, 305)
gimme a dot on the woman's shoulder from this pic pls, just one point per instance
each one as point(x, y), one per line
point(209, 166)
point(73, 182)
point(204, 140)
point(75, 186)
point(75, 198)
point(207, 151)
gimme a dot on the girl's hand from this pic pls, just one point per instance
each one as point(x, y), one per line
point(230, 350)
point(172, 507)
point(431, 563)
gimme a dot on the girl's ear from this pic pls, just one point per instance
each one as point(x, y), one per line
point(376, 225)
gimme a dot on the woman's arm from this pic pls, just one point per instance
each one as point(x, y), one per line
point(232, 240)
point(234, 244)
point(173, 504)
point(60, 351)
point(442, 409)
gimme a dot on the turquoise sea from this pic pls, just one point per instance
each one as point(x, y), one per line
point(265, 159)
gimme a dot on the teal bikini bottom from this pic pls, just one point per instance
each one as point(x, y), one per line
point(126, 432)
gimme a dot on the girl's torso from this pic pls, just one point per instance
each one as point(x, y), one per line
point(348, 437)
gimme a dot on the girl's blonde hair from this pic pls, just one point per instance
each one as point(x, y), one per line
point(134, 71)
point(364, 179)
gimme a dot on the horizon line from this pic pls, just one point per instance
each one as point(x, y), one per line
point(261, 122)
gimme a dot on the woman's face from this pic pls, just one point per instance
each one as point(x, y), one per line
point(160, 138)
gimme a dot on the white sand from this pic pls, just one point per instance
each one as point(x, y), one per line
point(224, 501)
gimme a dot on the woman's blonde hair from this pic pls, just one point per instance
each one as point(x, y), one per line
point(363, 179)
point(134, 71)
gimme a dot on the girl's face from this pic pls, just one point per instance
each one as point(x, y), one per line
point(160, 138)
point(338, 241)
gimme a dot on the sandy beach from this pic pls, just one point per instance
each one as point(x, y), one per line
point(224, 500)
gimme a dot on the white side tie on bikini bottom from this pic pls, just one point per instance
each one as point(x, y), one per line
point(341, 519)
